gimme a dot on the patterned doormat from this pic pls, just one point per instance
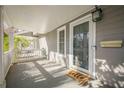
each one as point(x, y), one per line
point(83, 79)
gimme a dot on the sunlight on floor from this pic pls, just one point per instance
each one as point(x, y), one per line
point(39, 74)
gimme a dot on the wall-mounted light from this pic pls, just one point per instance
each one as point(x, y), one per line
point(97, 14)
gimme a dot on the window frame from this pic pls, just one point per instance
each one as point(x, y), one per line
point(63, 28)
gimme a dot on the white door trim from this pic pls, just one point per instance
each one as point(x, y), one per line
point(58, 30)
point(92, 32)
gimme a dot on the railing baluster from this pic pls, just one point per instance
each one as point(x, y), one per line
point(30, 54)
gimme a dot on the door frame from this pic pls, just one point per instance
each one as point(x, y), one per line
point(92, 44)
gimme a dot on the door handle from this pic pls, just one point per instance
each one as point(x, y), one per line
point(94, 46)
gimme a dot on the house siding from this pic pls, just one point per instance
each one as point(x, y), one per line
point(109, 65)
point(49, 43)
point(110, 61)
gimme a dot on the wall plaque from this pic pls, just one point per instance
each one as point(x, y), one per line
point(111, 44)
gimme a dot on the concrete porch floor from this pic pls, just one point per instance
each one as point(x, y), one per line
point(39, 74)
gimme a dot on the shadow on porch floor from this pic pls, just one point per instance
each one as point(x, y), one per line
point(39, 74)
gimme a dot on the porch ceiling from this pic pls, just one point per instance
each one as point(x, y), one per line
point(43, 18)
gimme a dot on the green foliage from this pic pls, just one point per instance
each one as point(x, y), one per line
point(6, 42)
point(20, 41)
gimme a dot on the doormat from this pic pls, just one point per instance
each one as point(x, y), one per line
point(83, 79)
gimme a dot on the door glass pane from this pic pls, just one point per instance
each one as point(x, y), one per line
point(80, 45)
point(61, 42)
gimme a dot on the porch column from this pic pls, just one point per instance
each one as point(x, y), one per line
point(2, 80)
point(37, 43)
point(11, 43)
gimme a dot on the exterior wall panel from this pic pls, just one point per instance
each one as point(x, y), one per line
point(51, 40)
point(109, 61)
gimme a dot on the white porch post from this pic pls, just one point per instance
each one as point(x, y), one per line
point(2, 80)
point(37, 43)
point(11, 43)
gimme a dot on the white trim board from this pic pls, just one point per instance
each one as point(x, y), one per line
point(92, 31)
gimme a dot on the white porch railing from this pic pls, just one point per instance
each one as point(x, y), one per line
point(30, 55)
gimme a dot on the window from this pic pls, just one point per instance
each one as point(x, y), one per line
point(61, 39)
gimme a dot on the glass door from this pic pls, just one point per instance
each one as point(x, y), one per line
point(81, 45)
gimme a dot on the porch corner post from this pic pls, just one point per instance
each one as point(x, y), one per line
point(2, 77)
point(11, 43)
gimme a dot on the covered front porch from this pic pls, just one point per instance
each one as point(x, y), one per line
point(38, 65)
point(40, 44)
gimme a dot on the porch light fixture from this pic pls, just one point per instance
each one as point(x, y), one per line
point(97, 14)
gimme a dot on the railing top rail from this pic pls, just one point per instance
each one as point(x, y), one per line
point(29, 49)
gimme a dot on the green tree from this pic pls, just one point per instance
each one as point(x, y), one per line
point(6, 42)
point(20, 41)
